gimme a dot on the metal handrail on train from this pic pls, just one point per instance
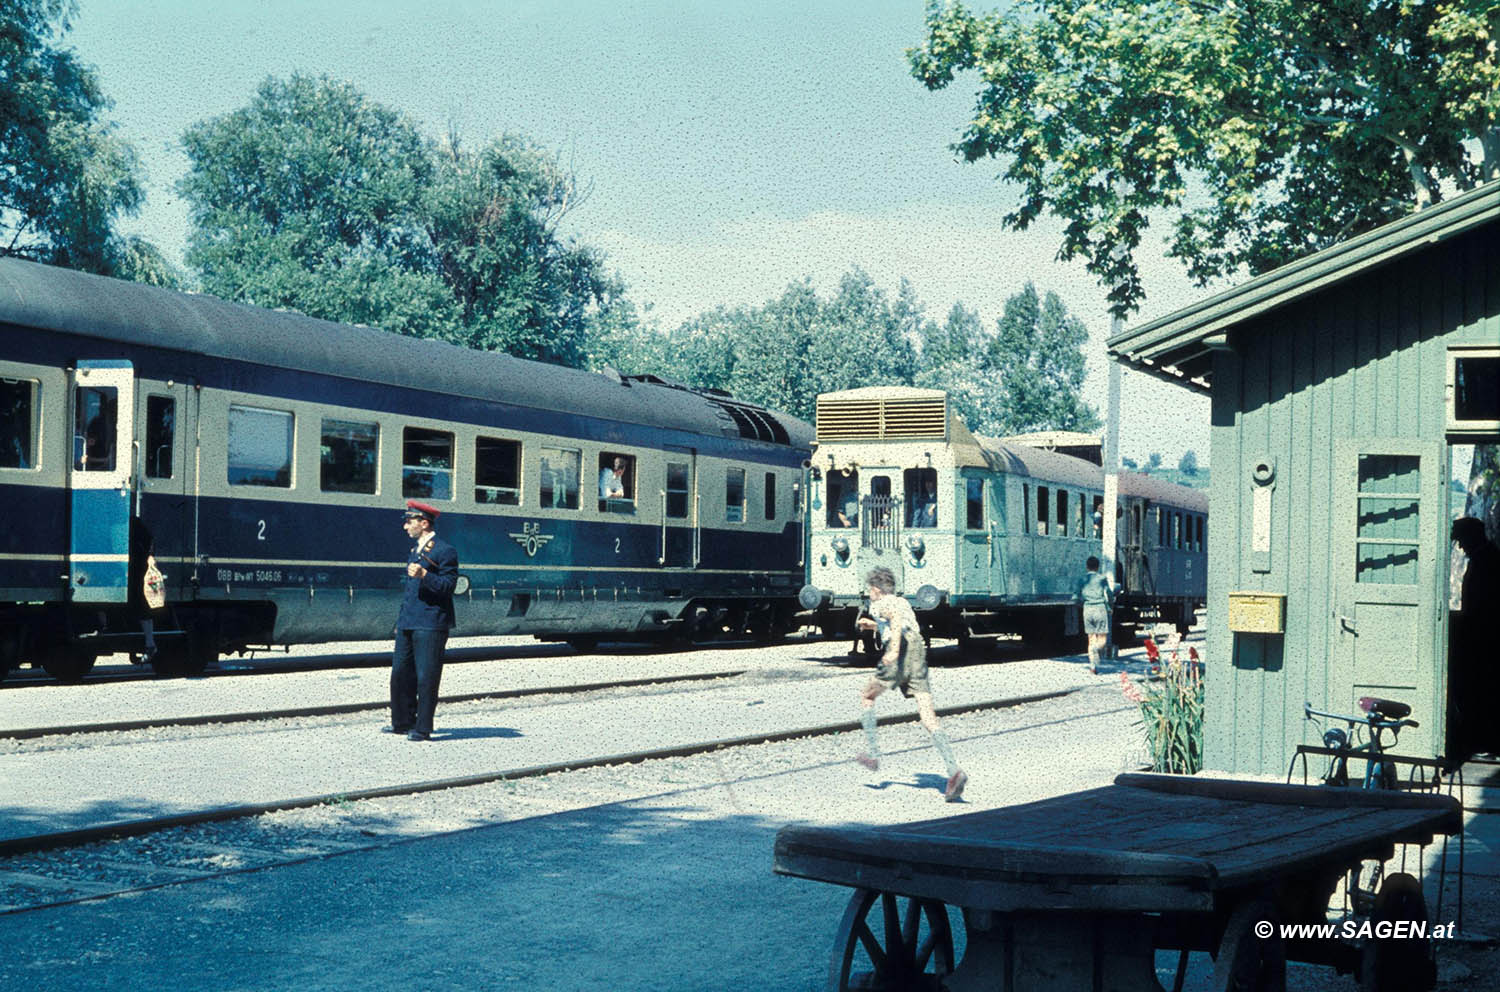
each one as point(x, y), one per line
point(880, 522)
point(661, 559)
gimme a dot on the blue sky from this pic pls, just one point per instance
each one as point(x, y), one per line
point(729, 148)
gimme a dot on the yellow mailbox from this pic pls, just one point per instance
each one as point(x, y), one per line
point(1257, 612)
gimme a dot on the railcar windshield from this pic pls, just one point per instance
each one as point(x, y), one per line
point(921, 496)
point(843, 498)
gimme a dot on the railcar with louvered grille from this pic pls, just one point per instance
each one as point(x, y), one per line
point(987, 537)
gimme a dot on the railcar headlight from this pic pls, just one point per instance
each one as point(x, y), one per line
point(916, 546)
point(928, 597)
point(841, 549)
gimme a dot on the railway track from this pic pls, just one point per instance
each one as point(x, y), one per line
point(65, 867)
point(332, 709)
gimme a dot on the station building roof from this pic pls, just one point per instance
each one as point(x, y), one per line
point(1179, 346)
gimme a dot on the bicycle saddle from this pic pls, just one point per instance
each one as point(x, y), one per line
point(1388, 708)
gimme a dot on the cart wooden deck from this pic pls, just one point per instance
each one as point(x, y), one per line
point(1056, 890)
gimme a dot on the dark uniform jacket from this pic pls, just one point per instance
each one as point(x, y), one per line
point(427, 603)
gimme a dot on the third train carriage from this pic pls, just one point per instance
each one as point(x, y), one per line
point(987, 537)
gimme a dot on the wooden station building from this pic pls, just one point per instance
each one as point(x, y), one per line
point(1343, 389)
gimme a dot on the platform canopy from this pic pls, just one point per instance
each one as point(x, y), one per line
point(1179, 347)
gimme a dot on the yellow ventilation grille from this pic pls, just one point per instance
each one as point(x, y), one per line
point(887, 419)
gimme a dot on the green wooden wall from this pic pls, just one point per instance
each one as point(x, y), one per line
point(1308, 385)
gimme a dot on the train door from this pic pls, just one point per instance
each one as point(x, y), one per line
point(1389, 511)
point(163, 473)
point(680, 541)
point(99, 481)
point(976, 548)
point(997, 522)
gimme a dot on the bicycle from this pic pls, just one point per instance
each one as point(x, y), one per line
point(1381, 716)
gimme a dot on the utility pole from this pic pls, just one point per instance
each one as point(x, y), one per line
point(1111, 469)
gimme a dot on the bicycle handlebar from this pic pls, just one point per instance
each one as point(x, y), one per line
point(1373, 718)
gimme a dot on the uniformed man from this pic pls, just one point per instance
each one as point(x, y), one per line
point(422, 626)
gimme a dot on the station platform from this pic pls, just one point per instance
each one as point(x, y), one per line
point(60, 789)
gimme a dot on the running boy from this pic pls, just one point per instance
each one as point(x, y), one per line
point(903, 665)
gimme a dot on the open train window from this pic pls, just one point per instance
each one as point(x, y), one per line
point(843, 498)
point(94, 411)
point(348, 454)
point(497, 471)
point(616, 482)
point(770, 496)
point(1078, 517)
point(426, 464)
point(1043, 509)
point(1062, 513)
point(559, 477)
point(20, 415)
point(921, 496)
point(1025, 508)
point(260, 447)
point(1098, 517)
point(734, 495)
point(161, 429)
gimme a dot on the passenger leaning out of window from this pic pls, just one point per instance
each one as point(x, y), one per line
point(612, 480)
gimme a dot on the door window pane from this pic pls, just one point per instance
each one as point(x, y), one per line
point(94, 412)
point(348, 456)
point(677, 490)
point(260, 447)
point(1062, 513)
point(161, 428)
point(1025, 508)
point(426, 464)
point(734, 495)
point(1043, 510)
point(1388, 513)
point(843, 499)
point(559, 477)
point(921, 496)
point(20, 413)
point(974, 503)
point(770, 503)
point(497, 471)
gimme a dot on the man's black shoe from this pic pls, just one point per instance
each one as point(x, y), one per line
point(417, 735)
point(391, 729)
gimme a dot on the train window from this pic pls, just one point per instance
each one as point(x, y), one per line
point(843, 498)
point(616, 482)
point(1042, 511)
point(20, 409)
point(559, 477)
point(1177, 531)
point(677, 490)
point(1025, 508)
point(1161, 528)
point(734, 495)
point(1098, 516)
point(497, 471)
point(770, 495)
point(348, 455)
point(1202, 538)
point(94, 412)
point(1079, 516)
point(161, 428)
point(921, 496)
point(1062, 513)
point(426, 463)
point(974, 504)
point(260, 447)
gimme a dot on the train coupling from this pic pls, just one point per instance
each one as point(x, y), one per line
point(810, 597)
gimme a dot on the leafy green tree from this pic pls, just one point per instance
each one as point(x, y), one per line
point(1265, 128)
point(316, 198)
point(1153, 462)
point(1188, 463)
point(1038, 347)
point(1129, 463)
point(65, 176)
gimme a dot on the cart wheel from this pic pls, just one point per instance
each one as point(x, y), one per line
point(1392, 963)
point(1247, 962)
point(903, 946)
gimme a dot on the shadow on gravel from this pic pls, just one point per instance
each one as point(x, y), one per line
point(472, 733)
point(921, 781)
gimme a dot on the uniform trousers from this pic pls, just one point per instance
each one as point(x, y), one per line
point(416, 669)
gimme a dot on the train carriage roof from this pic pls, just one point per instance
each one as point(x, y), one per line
point(68, 302)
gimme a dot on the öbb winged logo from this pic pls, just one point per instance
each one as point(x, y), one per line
point(530, 539)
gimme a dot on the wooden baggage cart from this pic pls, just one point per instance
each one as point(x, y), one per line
point(1078, 892)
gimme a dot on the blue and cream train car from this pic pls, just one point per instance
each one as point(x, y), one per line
point(986, 537)
point(268, 454)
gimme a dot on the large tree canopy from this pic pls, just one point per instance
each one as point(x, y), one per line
point(315, 197)
point(65, 177)
point(1264, 128)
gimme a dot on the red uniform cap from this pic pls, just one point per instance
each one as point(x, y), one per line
point(416, 509)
